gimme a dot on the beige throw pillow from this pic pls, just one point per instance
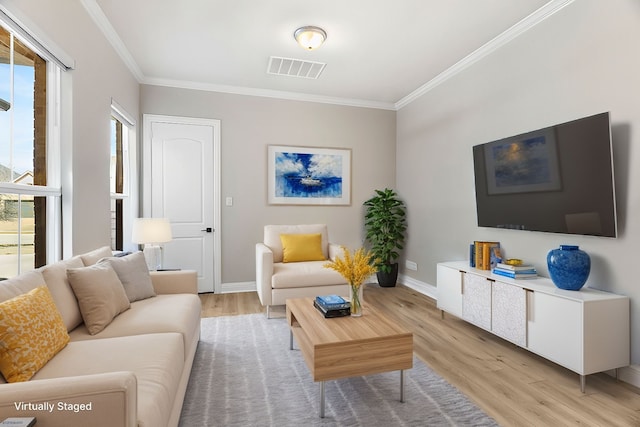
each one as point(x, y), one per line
point(91, 258)
point(134, 274)
point(100, 295)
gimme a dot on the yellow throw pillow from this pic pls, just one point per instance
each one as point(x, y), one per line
point(301, 247)
point(31, 333)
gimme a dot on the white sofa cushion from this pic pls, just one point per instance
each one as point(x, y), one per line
point(56, 277)
point(303, 274)
point(163, 313)
point(21, 285)
point(272, 237)
point(157, 360)
point(96, 255)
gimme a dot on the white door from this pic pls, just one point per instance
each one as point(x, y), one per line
point(181, 183)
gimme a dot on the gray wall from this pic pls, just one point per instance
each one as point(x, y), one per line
point(581, 61)
point(248, 125)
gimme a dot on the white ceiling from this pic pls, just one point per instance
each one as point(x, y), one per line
point(379, 53)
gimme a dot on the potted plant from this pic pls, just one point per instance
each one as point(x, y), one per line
point(385, 225)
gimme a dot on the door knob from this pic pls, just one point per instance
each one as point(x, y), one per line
point(208, 229)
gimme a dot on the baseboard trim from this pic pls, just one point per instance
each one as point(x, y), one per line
point(630, 375)
point(229, 288)
point(422, 287)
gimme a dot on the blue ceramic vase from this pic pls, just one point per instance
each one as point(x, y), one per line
point(569, 267)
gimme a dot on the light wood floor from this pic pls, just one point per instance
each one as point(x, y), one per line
point(515, 387)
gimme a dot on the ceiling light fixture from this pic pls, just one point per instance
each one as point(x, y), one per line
point(310, 37)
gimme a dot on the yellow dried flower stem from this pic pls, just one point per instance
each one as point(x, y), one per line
point(354, 268)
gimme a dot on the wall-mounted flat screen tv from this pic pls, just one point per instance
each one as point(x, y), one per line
point(557, 179)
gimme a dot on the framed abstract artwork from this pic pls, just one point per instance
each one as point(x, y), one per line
point(308, 176)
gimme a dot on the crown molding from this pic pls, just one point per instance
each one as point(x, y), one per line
point(510, 34)
point(268, 93)
point(98, 16)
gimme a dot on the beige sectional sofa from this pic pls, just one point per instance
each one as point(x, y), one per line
point(134, 371)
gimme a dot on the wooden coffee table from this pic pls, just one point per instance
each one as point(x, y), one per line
point(345, 347)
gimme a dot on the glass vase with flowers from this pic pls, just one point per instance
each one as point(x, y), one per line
point(355, 268)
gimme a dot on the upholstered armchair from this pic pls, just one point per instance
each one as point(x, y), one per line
point(289, 264)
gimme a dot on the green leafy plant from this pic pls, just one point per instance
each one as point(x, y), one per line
point(385, 223)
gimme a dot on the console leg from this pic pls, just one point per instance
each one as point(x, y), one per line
point(583, 383)
point(402, 385)
point(441, 314)
point(321, 399)
point(290, 340)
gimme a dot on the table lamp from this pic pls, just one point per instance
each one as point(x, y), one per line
point(152, 233)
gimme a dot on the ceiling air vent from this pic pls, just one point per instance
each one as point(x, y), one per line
point(295, 67)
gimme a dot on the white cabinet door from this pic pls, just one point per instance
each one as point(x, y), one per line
point(476, 300)
point(509, 313)
point(450, 290)
point(555, 329)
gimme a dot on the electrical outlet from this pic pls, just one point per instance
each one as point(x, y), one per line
point(411, 265)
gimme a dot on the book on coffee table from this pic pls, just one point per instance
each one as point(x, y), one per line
point(332, 312)
point(332, 302)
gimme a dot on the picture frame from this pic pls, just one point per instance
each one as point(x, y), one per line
point(523, 164)
point(308, 175)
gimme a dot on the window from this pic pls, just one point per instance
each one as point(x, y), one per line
point(122, 178)
point(117, 184)
point(29, 190)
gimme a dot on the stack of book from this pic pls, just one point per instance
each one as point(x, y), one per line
point(484, 255)
point(515, 271)
point(332, 306)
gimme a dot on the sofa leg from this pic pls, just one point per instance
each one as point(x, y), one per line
point(268, 312)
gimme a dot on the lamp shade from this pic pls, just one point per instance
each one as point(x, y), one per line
point(151, 230)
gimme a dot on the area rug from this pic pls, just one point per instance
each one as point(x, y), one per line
point(245, 375)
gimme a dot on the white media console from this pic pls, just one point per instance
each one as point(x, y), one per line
point(586, 331)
